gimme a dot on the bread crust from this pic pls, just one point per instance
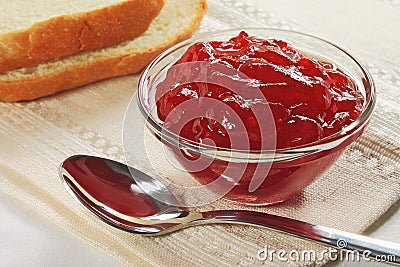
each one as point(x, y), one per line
point(98, 70)
point(69, 34)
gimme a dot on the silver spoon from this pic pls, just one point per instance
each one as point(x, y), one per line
point(112, 191)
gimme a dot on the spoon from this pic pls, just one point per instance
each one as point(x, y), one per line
point(113, 192)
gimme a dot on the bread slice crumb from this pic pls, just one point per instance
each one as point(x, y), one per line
point(37, 31)
point(178, 20)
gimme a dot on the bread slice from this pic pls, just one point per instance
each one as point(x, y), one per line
point(35, 31)
point(177, 21)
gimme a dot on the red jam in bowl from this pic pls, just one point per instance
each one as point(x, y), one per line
point(309, 100)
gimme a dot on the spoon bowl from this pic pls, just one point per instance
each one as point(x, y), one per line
point(109, 190)
point(133, 201)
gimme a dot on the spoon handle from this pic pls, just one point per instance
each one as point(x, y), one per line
point(365, 246)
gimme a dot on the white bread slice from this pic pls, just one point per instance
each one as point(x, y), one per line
point(177, 21)
point(35, 31)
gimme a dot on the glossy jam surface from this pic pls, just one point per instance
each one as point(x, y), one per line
point(264, 93)
point(309, 99)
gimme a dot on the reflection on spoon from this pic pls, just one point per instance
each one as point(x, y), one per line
point(113, 192)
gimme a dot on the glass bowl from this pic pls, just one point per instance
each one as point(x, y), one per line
point(264, 176)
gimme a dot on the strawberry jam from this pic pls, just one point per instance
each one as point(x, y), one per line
point(309, 99)
point(266, 94)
